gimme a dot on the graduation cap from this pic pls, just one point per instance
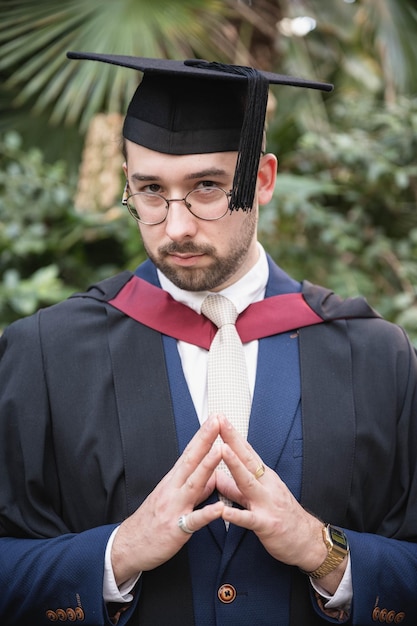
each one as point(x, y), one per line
point(196, 106)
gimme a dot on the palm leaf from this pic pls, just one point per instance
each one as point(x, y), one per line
point(34, 38)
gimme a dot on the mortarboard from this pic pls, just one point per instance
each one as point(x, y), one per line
point(196, 106)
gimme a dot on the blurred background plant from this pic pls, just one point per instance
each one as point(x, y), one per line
point(48, 249)
point(344, 212)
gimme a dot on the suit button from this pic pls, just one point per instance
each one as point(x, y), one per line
point(226, 593)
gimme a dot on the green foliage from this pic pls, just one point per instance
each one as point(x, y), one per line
point(35, 36)
point(344, 213)
point(47, 249)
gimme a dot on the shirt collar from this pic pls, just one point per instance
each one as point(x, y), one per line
point(250, 288)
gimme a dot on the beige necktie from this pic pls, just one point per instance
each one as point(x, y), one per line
point(228, 385)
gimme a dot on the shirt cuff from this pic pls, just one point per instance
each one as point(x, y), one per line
point(111, 592)
point(342, 598)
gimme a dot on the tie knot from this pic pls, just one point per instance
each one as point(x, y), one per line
point(219, 310)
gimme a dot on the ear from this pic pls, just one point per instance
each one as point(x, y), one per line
point(125, 168)
point(267, 175)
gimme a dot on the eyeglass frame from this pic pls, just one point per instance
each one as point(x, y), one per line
point(126, 196)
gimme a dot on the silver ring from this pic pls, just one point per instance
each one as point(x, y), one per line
point(182, 523)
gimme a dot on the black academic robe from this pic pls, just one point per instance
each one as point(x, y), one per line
point(69, 373)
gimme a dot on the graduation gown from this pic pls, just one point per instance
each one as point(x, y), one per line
point(91, 405)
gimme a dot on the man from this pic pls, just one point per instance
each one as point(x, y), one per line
point(115, 505)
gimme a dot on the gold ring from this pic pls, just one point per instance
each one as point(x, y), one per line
point(260, 471)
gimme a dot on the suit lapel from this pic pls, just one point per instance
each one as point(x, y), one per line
point(276, 398)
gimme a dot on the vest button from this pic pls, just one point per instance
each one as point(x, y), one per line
point(226, 593)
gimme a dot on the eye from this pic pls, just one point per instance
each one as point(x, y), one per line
point(204, 184)
point(152, 188)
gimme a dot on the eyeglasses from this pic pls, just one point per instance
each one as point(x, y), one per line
point(207, 203)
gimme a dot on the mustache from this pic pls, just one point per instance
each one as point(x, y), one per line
point(189, 247)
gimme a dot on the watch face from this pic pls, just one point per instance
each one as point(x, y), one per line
point(338, 537)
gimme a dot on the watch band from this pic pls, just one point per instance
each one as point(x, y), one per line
point(338, 548)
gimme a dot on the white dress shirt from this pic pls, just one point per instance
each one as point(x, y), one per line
point(250, 288)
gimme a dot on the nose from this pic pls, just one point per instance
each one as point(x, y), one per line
point(180, 223)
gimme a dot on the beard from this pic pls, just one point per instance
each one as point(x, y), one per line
point(220, 269)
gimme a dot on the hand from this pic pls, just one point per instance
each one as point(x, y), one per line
point(151, 535)
point(288, 532)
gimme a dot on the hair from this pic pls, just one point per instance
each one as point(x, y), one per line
point(123, 148)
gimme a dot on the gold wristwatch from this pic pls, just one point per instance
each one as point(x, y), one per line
point(337, 548)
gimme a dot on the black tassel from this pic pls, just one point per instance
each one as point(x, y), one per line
point(250, 146)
